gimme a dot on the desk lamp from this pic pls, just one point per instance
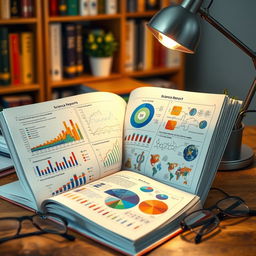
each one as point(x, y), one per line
point(178, 28)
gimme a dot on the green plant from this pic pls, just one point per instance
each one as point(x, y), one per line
point(100, 44)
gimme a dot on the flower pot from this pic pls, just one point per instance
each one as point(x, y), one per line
point(101, 66)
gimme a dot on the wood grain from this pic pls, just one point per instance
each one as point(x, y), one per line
point(237, 238)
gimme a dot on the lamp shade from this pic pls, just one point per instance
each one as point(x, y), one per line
point(177, 28)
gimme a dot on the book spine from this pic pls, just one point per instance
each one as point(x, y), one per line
point(53, 7)
point(93, 7)
point(72, 7)
point(15, 8)
point(30, 8)
point(15, 65)
point(25, 9)
point(5, 9)
point(4, 57)
point(101, 6)
point(129, 45)
point(131, 6)
point(56, 54)
point(148, 47)
point(111, 6)
point(79, 50)
point(62, 7)
point(69, 50)
point(27, 60)
point(84, 7)
point(141, 5)
point(140, 43)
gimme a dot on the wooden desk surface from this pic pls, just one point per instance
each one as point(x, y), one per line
point(238, 239)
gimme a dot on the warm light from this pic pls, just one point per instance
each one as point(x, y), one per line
point(171, 44)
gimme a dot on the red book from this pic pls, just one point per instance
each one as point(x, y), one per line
point(53, 7)
point(15, 58)
point(26, 8)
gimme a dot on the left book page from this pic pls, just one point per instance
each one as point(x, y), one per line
point(61, 144)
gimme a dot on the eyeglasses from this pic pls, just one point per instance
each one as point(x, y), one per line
point(204, 221)
point(10, 227)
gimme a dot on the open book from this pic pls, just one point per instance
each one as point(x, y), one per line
point(122, 174)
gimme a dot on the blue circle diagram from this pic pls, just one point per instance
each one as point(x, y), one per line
point(193, 111)
point(202, 124)
point(190, 153)
point(142, 115)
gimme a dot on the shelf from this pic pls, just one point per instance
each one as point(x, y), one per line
point(84, 18)
point(156, 71)
point(18, 21)
point(140, 14)
point(81, 80)
point(18, 89)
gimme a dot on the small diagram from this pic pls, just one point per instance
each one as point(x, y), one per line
point(190, 153)
point(139, 139)
point(203, 124)
point(135, 159)
point(153, 207)
point(142, 115)
point(193, 112)
point(146, 189)
point(162, 196)
point(171, 166)
point(170, 125)
point(121, 199)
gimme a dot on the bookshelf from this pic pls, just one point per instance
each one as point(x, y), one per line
point(116, 23)
point(33, 24)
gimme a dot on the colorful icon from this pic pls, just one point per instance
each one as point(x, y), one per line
point(161, 196)
point(176, 110)
point(202, 124)
point(142, 115)
point(193, 111)
point(190, 153)
point(170, 125)
point(146, 189)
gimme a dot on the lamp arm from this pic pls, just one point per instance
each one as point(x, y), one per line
point(205, 15)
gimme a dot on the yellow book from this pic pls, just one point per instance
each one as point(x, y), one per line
point(27, 57)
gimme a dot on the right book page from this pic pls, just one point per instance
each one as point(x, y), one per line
point(168, 133)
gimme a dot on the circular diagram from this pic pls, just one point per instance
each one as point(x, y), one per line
point(142, 115)
point(161, 196)
point(190, 153)
point(146, 189)
point(153, 207)
point(121, 199)
point(202, 124)
point(193, 111)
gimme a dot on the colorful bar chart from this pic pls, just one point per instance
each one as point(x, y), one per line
point(58, 166)
point(74, 182)
point(69, 134)
point(135, 137)
point(113, 156)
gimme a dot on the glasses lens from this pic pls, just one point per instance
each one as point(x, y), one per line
point(201, 222)
point(8, 228)
point(50, 224)
point(233, 206)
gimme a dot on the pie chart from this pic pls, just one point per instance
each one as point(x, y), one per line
point(153, 207)
point(121, 199)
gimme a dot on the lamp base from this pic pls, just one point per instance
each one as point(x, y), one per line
point(245, 159)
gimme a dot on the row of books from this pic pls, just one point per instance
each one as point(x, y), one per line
point(82, 7)
point(9, 101)
point(16, 9)
point(17, 57)
point(66, 43)
point(144, 52)
point(148, 5)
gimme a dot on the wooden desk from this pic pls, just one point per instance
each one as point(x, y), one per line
point(239, 239)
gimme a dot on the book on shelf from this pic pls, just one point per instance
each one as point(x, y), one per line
point(15, 58)
point(5, 9)
point(121, 174)
point(93, 7)
point(72, 7)
point(27, 57)
point(132, 6)
point(79, 49)
point(56, 51)
point(111, 6)
point(15, 8)
point(130, 45)
point(27, 8)
point(5, 76)
point(84, 7)
point(53, 7)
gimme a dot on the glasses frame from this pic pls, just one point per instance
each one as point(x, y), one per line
point(52, 217)
point(222, 214)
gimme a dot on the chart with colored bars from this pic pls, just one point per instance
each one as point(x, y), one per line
point(112, 156)
point(74, 182)
point(57, 166)
point(71, 133)
point(138, 138)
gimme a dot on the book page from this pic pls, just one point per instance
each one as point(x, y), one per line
point(168, 132)
point(68, 142)
point(126, 203)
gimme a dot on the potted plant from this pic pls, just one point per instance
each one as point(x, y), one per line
point(100, 46)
